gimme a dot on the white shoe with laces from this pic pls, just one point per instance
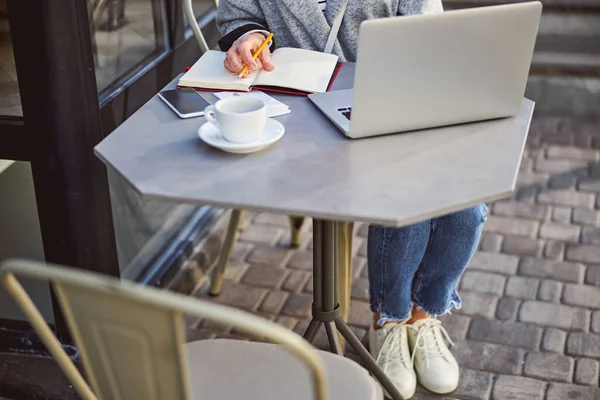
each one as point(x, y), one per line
point(434, 364)
point(389, 347)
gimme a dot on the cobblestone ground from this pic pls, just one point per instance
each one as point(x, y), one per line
point(529, 327)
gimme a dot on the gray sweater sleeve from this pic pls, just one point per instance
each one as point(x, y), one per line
point(232, 14)
point(414, 7)
point(237, 17)
point(302, 24)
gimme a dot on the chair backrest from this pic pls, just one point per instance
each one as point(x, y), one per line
point(193, 22)
point(130, 349)
point(131, 337)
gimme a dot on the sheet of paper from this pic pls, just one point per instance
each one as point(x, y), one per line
point(208, 73)
point(274, 106)
point(299, 69)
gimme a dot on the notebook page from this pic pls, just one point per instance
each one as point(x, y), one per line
point(298, 69)
point(209, 73)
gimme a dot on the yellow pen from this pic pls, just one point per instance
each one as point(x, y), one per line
point(257, 53)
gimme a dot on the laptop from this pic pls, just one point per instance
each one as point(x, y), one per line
point(433, 70)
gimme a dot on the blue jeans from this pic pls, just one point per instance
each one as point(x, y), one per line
point(420, 264)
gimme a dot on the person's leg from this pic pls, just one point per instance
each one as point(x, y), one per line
point(394, 255)
point(452, 243)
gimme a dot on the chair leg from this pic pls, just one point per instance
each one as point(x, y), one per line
point(245, 221)
point(219, 271)
point(344, 277)
point(296, 230)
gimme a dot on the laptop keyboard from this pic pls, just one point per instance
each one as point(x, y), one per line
point(346, 111)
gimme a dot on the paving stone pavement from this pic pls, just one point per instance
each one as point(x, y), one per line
point(529, 327)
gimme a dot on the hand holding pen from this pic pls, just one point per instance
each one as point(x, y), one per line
point(241, 57)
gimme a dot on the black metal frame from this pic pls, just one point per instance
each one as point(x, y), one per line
point(326, 308)
point(63, 120)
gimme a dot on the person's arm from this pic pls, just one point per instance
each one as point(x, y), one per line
point(239, 18)
point(227, 41)
point(243, 26)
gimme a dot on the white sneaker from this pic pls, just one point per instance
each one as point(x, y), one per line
point(435, 365)
point(389, 348)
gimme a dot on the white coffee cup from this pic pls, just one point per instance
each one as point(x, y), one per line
point(239, 119)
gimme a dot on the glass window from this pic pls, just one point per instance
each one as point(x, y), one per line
point(201, 8)
point(144, 228)
point(10, 100)
point(126, 36)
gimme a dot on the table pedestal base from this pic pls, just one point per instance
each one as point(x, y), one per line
point(325, 310)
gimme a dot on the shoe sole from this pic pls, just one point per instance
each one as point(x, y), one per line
point(442, 390)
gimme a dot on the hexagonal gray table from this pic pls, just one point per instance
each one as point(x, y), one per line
point(317, 172)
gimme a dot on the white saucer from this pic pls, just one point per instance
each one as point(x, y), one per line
point(210, 134)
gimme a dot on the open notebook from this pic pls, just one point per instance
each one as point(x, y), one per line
point(296, 70)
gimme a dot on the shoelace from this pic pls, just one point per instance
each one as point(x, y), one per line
point(432, 347)
point(391, 350)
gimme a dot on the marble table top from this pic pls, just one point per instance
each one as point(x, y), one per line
point(315, 171)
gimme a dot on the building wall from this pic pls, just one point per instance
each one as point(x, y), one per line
point(20, 234)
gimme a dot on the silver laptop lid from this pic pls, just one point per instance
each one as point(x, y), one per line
point(440, 69)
